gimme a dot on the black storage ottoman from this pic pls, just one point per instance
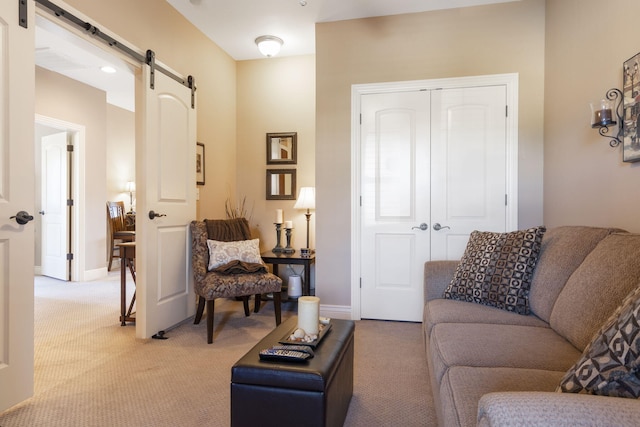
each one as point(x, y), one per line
point(313, 393)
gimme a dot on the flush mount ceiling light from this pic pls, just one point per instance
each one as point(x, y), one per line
point(269, 45)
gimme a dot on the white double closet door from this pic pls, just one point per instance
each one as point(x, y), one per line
point(434, 167)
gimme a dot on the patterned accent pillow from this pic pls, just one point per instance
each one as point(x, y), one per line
point(609, 364)
point(221, 253)
point(496, 269)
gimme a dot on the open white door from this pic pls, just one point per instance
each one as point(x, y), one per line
point(55, 213)
point(17, 194)
point(166, 178)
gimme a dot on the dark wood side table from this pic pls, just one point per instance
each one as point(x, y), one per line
point(127, 257)
point(295, 258)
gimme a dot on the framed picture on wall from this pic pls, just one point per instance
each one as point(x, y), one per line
point(282, 148)
point(281, 184)
point(199, 163)
point(631, 115)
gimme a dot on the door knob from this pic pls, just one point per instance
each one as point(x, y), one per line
point(422, 227)
point(41, 212)
point(439, 227)
point(22, 217)
point(153, 215)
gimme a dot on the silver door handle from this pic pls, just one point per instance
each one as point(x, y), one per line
point(422, 227)
point(439, 227)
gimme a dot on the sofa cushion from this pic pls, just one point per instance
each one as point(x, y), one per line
point(496, 269)
point(452, 311)
point(563, 250)
point(609, 364)
point(597, 288)
point(221, 253)
point(490, 345)
point(463, 386)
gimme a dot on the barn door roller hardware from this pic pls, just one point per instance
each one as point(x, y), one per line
point(115, 44)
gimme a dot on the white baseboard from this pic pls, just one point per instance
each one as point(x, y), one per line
point(335, 311)
point(98, 273)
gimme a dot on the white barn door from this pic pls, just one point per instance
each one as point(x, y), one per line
point(166, 204)
point(17, 193)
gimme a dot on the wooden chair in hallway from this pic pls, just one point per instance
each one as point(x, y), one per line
point(117, 230)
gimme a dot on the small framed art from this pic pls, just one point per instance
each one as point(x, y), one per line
point(199, 163)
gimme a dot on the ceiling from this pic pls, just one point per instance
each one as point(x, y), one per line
point(234, 25)
point(65, 53)
point(231, 24)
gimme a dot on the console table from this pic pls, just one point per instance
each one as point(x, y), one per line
point(127, 256)
point(277, 258)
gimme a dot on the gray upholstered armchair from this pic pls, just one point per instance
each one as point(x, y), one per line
point(235, 279)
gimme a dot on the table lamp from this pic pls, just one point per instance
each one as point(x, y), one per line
point(306, 200)
point(131, 187)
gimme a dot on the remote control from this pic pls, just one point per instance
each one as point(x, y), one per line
point(302, 348)
point(283, 355)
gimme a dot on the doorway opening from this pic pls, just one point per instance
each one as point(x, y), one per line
point(66, 106)
point(52, 248)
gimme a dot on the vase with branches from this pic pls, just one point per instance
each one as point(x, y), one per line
point(238, 209)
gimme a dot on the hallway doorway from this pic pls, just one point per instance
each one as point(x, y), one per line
point(59, 181)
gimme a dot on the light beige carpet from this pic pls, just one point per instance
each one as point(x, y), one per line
point(90, 371)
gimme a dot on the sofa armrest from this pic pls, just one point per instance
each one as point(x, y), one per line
point(554, 409)
point(437, 275)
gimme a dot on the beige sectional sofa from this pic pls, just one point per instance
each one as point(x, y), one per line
point(490, 367)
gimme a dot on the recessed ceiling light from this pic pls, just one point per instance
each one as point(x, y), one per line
point(108, 69)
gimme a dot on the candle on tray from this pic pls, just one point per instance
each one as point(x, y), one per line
point(309, 314)
point(288, 224)
point(278, 216)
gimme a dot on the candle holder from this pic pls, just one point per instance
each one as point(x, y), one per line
point(288, 249)
point(278, 248)
point(602, 116)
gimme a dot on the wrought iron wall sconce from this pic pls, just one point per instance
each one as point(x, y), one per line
point(602, 116)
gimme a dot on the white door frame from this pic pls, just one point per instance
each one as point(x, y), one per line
point(511, 82)
point(78, 269)
point(78, 133)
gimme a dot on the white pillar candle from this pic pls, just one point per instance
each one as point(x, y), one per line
point(309, 314)
point(278, 216)
point(288, 224)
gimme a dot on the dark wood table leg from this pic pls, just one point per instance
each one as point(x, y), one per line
point(306, 286)
point(123, 289)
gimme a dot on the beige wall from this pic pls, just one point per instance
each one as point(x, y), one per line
point(155, 25)
point(121, 153)
point(275, 95)
point(64, 99)
point(495, 39)
point(585, 180)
